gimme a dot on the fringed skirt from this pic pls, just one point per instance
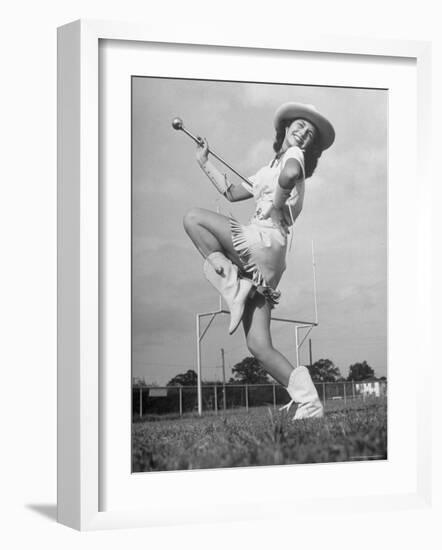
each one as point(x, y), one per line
point(262, 251)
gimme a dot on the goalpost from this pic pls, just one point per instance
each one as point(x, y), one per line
point(299, 325)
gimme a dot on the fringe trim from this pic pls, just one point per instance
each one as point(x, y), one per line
point(251, 269)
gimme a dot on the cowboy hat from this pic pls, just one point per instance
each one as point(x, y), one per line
point(290, 111)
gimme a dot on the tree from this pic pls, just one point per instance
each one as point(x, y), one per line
point(360, 371)
point(138, 382)
point(324, 370)
point(188, 378)
point(249, 371)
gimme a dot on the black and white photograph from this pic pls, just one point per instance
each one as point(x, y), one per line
point(259, 274)
point(221, 275)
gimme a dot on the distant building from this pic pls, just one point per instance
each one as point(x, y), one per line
point(371, 387)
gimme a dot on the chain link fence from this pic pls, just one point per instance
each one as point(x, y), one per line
point(180, 400)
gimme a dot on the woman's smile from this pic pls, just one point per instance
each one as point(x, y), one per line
point(301, 133)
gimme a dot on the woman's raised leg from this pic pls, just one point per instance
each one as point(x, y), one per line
point(210, 232)
point(211, 235)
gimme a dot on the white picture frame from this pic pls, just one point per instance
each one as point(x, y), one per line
point(79, 276)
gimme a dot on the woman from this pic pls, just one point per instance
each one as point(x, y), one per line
point(245, 262)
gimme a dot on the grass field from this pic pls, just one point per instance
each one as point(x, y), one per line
point(262, 436)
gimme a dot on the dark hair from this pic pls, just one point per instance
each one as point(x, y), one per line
point(311, 154)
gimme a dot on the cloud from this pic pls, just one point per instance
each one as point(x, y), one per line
point(257, 155)
point(169, 187)
point(168, 288)
point(263, 95)
point(160, 322)
point(362, 296)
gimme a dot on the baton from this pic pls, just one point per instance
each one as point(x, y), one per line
point(177, 124)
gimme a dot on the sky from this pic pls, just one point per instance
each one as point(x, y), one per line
point(345, 214)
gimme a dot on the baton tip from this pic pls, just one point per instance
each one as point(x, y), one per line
point(177, 123)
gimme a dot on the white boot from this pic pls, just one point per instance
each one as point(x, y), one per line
point(223, 275)
point(303, 392)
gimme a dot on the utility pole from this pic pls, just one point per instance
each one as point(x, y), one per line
point(223, 366)
point(310, 351)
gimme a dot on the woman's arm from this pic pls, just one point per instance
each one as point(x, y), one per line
point(232, 192)
point(291, 176)
point(294, 205)
point(237, 193)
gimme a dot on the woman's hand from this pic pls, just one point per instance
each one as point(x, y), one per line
point(202, 151)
